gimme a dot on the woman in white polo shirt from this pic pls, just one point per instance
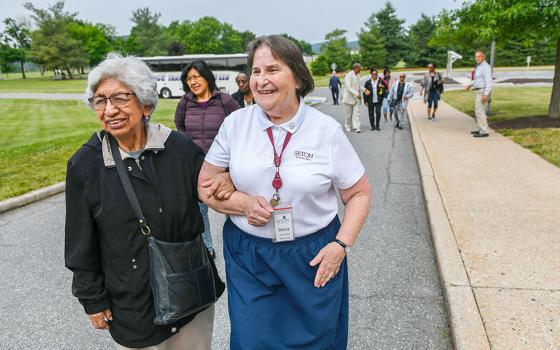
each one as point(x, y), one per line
point(284, 246)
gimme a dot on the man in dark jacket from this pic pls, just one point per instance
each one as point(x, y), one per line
point(243, 96)
point(375, 91)
point(334, 85)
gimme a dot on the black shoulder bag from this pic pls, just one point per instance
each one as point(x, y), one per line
point(181, 274)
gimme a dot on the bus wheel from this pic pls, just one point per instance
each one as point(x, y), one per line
point(165, 93)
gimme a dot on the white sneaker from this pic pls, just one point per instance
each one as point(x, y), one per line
point(358, 131)
point(348, 130)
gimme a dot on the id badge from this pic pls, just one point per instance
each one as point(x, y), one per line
point(283, 223)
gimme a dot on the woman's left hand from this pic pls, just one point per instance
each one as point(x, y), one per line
point(329, 260)
point(221, 186)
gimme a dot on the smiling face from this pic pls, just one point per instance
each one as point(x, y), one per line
point(374, 75)
point(196, 82)
point(124, 121)
point(273, 84)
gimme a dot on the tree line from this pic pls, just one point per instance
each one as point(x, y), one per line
point(62, 41)
point(385, 42)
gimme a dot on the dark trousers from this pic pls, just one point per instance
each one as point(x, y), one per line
point(374, 111)
point(335, 93)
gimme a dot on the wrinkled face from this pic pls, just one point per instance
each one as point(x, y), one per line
point(243, 83)
point(374, 75)
point(272, 83)
point(402, 78)
point(431, 68)
point(196, 82)
point(479, 57)
point(358, 69)
point(124, 120)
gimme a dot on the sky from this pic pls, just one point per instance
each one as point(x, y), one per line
point(304, 19)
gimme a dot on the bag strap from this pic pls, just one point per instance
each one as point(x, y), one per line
point(125, 179)
point(223, 105)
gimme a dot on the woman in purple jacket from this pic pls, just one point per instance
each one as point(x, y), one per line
point(199, 114)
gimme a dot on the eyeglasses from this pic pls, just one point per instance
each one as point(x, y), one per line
point(120, 99)
point(193, 78)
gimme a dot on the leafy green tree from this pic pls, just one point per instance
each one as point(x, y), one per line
point(147, 37)
point(485, 20)
point(247, 37)
point(420, 53)
point(16, 38)
point(96, 39)
point(208, 35)
point(391, 32)
point(8, 55)
point(52, 42)
point(372, 48)
point(320, 66)
point(335, 50)
point(303, 45)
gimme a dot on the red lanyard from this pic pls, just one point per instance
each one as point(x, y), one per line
point(277, 182)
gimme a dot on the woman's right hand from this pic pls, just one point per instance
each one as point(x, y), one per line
point(101, 319)
point(258, 211)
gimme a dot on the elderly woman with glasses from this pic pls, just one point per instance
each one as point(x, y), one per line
point(104, 247)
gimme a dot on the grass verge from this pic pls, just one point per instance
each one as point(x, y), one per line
point(39, 137)
point(518, 113)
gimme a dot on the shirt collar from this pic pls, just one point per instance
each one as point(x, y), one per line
point(291, 125)
point(157, 135)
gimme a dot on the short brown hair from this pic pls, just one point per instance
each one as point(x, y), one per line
point(289, 53)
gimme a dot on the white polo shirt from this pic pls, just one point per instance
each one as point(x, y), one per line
point(318, 160)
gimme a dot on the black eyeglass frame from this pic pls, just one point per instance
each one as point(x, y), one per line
point(111, 97)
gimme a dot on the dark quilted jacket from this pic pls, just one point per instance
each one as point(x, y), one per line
point(200, 122)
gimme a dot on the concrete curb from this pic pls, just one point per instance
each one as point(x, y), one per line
point(31, 197)
point(464, 316)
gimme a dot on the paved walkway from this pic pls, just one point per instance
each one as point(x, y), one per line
point(396, 297)
point(494, 210)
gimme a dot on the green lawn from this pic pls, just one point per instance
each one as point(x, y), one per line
point(43, 85)
point(511, 103)
point(40, 136)
point(507, 102)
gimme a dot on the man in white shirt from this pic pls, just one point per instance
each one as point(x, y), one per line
point(351, 98)
point(482, 84)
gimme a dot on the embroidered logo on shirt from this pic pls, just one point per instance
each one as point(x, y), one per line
point(303, 155)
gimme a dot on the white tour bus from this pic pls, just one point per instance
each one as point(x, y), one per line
point(169, 83)
point(168, 71)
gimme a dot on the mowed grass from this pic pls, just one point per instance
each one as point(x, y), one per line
point(40, 136)
point(43, 85)
point(509, 103)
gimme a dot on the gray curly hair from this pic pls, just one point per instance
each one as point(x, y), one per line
point(129, 70)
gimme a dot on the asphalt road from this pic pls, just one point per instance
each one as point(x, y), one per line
point(396, 298)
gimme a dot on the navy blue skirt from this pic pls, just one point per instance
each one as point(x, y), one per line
point(272, 301)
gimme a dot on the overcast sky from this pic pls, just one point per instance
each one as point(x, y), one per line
point(304, 19)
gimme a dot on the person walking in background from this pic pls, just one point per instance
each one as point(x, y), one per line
point(200, 113)
point(399, 95)
point(374, 93)
point(482, 85)
point(243, 96)
point(432, 87)
point(386, 109)
point(351, 98)
point(334, 85)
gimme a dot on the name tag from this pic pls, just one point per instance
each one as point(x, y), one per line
point(283, 223)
